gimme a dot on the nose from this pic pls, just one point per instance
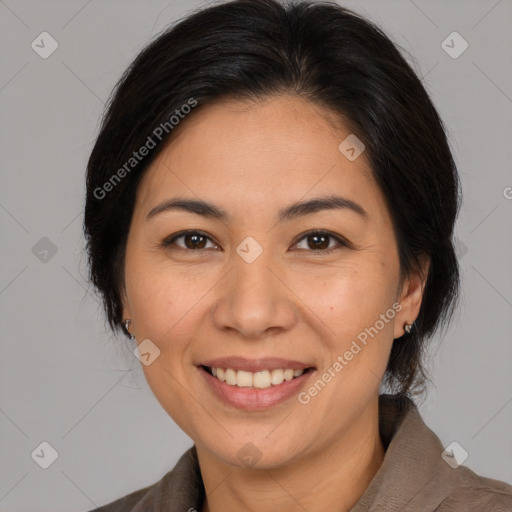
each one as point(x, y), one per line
point(255, 300)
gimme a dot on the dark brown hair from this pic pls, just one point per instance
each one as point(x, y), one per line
point(251, 49)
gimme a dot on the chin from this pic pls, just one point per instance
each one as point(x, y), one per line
point(257, 453)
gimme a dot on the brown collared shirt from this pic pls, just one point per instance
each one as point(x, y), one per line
point(413, 477)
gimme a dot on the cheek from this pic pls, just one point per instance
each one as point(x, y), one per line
point(162, 302)
point(161, 298)
point(350, 302)
point(350, 297)
point(356, 304)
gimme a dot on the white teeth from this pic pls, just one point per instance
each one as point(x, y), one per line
point(243, 379)
point(261, 380)
point(277, 377)
point(288, 374)
point(231, 377)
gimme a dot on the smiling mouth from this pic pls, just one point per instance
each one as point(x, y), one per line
point(260, 380)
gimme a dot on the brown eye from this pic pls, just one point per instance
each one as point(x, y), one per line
point(191, 240)
point(194, 241)
point(320, 241)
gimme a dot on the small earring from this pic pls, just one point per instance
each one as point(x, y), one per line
point(408, 327)
point(126, 326)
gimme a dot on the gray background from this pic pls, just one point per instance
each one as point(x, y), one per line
point(65, 380)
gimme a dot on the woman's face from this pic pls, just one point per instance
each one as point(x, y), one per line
point(249, 289)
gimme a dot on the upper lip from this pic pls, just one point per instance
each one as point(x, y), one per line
point(256, 365)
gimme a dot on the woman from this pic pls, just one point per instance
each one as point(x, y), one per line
point(269, 217)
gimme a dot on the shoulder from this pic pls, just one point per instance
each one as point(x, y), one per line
point(129, 502)
point(490, 495)
point(475, 493)
point(181, 488)
point(415, 474)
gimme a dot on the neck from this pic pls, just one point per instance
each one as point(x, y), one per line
point(331, 479)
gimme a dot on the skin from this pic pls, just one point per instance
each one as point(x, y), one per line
point(252, 159)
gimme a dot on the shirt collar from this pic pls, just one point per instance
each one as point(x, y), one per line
point(412, 474)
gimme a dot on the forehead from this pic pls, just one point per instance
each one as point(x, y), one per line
point(276, 149)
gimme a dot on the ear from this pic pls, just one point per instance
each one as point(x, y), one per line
point(411, 295)
point(126, 305)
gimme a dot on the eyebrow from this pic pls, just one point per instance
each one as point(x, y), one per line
point(295, 210)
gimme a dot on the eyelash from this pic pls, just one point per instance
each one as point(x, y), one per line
point(341, 241)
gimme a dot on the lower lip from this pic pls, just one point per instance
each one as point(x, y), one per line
point(254, 399)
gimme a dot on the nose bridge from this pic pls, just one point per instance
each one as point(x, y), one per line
point(252, 277)
point(253, 299)
point(253, 288)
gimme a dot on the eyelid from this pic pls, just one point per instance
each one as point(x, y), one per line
point(343, 242)
point(170, 239)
